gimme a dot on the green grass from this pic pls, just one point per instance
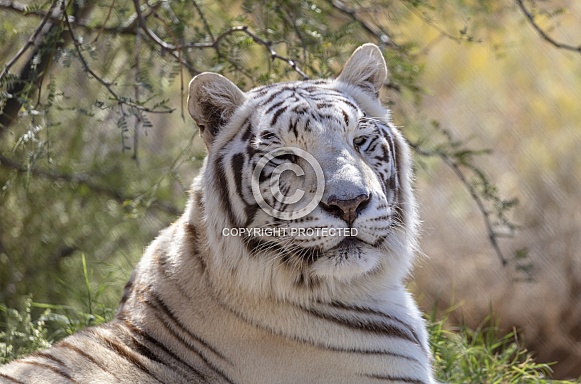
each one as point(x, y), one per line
point(24, 331)
point(484, 356)
point(461, 355)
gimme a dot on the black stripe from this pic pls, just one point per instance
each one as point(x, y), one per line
point(314, 89)
point(238, 161)
point(141, 348)
point(122, 350)
point(403, 379)
point(161, 305)
point(367, 326)
point(279, 89)
point(371, 311)
point(248, 131)
point(313, 343)
point(223, 190)
point(12, 380)
point(274, 106)
point(237, 164)
point(325, 104)
point(67, 345)
point(345, 117)
point(160, 260)
point(399, 212)
point(127, 291)
point(373, 143)
point(50, 367)
point(144, 351)
point(277, 115)
point(348, 102)
point(293, 127)
point(161, 309)
point(193, 240)
point(48, 356)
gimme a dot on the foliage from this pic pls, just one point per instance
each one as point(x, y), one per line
point(96, 152)
point(86, 81)
point(23, 332)
point(482, 355)
point(21, 335)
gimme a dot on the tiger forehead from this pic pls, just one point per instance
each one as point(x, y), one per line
point(299, 106)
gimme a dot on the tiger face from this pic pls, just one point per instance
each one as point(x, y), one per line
point(306, 184)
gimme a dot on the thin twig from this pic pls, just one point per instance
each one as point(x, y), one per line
point(267, 44)
point(492, 236)
point(382, 36)
point(31, 40)
point(441, 30)
point(292, 20)
point(203, 18)
point(138, 119)
point(171, 49)
point(106, 84)
point(530, 17)
point(127, 27)
point(149, 32)
point(104, 22)
point(179, 53)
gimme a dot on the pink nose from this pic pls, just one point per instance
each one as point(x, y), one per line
point(346, 209)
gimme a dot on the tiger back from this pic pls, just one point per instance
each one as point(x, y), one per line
point(288, 264)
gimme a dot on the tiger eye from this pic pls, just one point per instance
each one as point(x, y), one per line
point(359, 141)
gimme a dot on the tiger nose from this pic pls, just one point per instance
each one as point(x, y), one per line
point(346, 209)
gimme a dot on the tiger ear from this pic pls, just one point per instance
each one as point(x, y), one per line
point(365, 69)
point(212, 100)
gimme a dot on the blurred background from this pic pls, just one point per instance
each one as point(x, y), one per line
point(97, 151)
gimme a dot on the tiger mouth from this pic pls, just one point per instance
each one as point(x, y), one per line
point(349, 244)
point(348, 247)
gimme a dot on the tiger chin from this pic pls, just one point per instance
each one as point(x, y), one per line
point(290, 274)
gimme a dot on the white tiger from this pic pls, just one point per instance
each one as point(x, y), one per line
point(326, 304)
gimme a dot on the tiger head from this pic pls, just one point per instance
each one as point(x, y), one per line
point(306, 189)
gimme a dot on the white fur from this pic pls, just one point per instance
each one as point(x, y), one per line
point(242, 317)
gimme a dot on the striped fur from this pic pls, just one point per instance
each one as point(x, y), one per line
point(204, 307)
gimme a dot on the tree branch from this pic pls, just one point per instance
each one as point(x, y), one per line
point(244, 29)
point(37, 63)
point(83, 179)
point(456, 168)
point(104, 22)
point(126, 28)
point(442, 31)
point(531, 18)
point(32, 40)
point(203, 18)
point(106, 84)
point(149, 32)
point(381, 35)
point(492, 236)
